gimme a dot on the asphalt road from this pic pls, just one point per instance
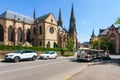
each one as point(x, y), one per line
point(102, 70)
point(53, 69)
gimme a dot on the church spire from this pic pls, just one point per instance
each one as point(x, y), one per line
point(34, 14)
point(72, 18)
point(60, 23)
point(72, 27)
point(93, 35)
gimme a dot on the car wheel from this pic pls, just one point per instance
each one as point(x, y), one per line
point(47, 57)
point(16, 59)
point(33, 58)
point(55, 57)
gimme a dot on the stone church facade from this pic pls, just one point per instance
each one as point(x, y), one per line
point(112, 35)
point(18, 29)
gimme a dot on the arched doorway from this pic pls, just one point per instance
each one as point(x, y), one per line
point(1, 33)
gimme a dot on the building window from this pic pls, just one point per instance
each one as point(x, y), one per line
point(28, 35)
point(34, 30)
point(40, 30)
point(1, 33)
point(48, 44)
point(20, 34)
point(51, 30)
point(10, 34)
point(40, 43)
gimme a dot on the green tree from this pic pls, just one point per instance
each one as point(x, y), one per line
point(118, 22)
point(95, 43)
point(70, 43)
point(104, 43)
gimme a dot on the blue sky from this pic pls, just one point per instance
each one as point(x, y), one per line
point(89, 14)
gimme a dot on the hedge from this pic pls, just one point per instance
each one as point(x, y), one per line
point(8, 47)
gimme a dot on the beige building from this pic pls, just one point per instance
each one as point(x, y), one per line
point(18, 29)
point(112, 36)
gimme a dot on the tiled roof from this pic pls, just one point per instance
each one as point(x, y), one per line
point(18, 17)
point(104, 32)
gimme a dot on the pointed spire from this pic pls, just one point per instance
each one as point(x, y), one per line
point(34, 14)
point(72, 27)
point(72, 18)
point(60, 19)
point(93, 35)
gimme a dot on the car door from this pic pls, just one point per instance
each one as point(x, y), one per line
point(25, 54)
point(52, 54)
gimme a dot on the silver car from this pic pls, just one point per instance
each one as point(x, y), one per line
point(48, 55)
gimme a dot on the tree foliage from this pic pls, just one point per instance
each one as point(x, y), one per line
point(118, 22)
point(70, 43)
point(95, 43)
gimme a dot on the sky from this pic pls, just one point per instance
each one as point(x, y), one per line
point(89, 14)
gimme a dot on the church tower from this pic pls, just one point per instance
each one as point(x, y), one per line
point(60, 23)
point(72, 28)
point(34, 14)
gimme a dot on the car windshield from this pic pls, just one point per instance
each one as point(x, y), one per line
point(47, 52)
point(18, 51)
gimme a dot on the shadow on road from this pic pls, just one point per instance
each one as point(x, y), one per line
point(102, 61)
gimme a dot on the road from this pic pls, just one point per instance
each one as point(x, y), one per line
point(53, 69)
point(103, 70)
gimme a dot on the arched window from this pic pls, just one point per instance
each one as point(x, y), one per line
point(40, 43)
point(28, 35)
point(34, 30)
point(10, 34)
point(20, 34)
point(1, 33)
point(48, 44)
point(40, 30)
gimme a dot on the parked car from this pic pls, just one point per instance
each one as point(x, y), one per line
point(48, 54)
point(20, 55)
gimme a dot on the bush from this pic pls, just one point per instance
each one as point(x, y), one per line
point(67, 55)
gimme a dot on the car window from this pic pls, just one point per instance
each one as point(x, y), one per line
point(52, 53)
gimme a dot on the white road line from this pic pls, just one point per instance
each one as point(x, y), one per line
point(12, 70)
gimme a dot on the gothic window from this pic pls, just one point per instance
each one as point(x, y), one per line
point(10, 34)
point(112, 37)
point(34, 30)
point(40, 30)
point(40, 43)
point(48, 44)
point(28, 35)
point(20, 34)
point(1, 33)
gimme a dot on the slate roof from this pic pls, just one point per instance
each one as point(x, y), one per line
point(43, 18)
point(62, 29)
point(19, 17)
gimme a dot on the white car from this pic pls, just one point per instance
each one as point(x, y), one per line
point(48, 54)
point(20, 55)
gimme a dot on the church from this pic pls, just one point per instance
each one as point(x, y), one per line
point(18, 29)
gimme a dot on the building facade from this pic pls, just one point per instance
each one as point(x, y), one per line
point(112, 36)
point(18, 29)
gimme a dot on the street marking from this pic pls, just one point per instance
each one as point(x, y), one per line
point(31, 67)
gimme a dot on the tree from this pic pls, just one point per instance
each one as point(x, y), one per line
point(118, 22)
point(70, 43)
point(95, 43)
point(104, 43)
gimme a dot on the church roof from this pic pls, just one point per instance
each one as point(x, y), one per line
point(43, 18)
point(105, 31)
point(17, 17)
point(62, 29)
